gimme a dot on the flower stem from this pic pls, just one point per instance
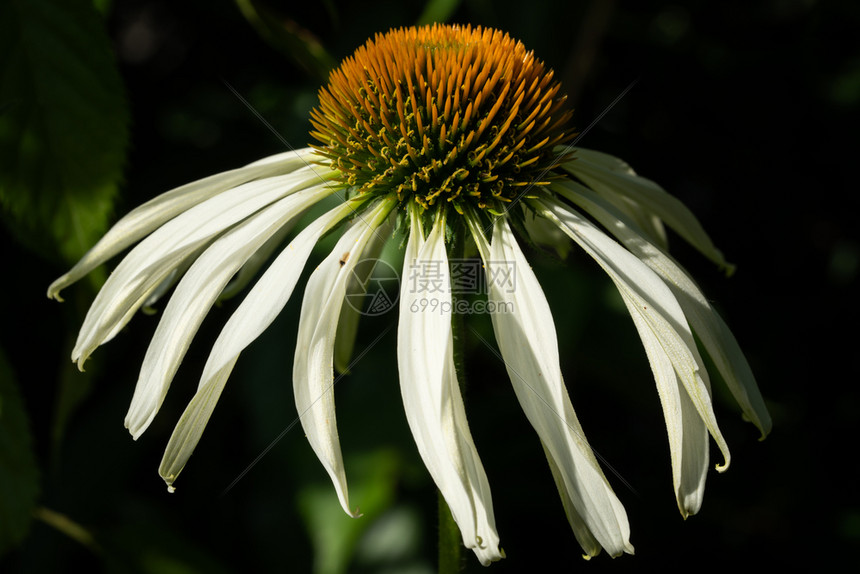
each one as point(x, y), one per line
point(449, 540)
point(450, 544)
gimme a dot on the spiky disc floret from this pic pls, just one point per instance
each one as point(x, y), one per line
point(442, 113)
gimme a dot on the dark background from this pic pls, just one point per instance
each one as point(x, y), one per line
point(747, 111)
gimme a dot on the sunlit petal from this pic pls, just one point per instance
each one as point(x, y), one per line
point(172, 245)
point(709, 327)
point(195, 295)
point(598, 171)
point(431, 392)
point(256, 312)
point(313, 376)
point(652, 300)
point(148, 217)
point(525, 332)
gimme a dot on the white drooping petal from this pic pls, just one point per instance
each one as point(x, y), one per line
point(260, 307)
point(356, 290)
point(597, 171)
point(431, 393)
point(648, 222)
point(688, 435)
point(526, 336)
point(313, 374)
point(144, 219)
point(726, 353)
point(589, 544)
point(171, 246)
point(255, 262)
point(198, 290)
point(709, 327)
point(648, 297)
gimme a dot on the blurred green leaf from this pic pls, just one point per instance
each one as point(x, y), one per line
point(103, 6)
point(373, 480)
point(19, 475)
point(63, 125)
point(438, 11)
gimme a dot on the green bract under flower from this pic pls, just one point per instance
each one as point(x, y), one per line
point(442, 114)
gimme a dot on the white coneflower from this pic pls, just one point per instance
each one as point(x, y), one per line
point(446, 133)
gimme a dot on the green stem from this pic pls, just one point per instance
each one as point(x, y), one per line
point(450, 546)
point(457, 250)
point(450, 540)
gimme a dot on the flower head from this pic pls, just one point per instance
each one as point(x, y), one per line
point(446, 134)
point(442, 114)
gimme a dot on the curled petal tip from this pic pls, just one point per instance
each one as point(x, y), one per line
point(627, 549)
point(80, 357)
point(723, 467)
point(764, 427)
point(135, 433)
point(54, 291)
point(725, 266)
point(729, 269)
point(169, 480)
point(765, 431)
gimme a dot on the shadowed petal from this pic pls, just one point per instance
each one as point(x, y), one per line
point(589, 544)
point(356, 289)
point(599, 171)
point(645, 219)
point(688, 435)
